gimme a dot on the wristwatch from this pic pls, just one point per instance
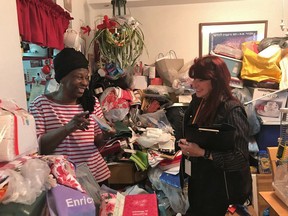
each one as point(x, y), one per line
point(207, 154)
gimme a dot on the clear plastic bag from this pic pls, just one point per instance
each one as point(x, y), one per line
point(178, 198)
point(157, 119)
point(25, 186)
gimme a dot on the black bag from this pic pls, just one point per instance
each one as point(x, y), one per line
point(219, 137)
point(238, 185)
point(266, 42)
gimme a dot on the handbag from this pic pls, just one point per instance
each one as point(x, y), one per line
point(259, 66)
point(167, 67)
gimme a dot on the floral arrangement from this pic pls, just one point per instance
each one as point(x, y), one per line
point(120, 40)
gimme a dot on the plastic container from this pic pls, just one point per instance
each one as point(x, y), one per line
point(263, 162)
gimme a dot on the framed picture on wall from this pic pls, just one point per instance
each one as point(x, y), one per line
point(68, 5)
point(229, 35)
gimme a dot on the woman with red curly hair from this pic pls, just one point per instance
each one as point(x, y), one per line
point(217, 176)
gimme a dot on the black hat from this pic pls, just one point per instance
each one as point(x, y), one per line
point(67, 60)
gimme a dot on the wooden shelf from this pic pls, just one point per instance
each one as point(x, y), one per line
point(264, 183)
point(279, 207)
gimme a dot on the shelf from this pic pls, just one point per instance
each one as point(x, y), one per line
point(105, 4)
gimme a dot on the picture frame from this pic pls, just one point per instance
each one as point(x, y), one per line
point(68, 5)
point(92, 63)
point(82, 45)
point(231, 33)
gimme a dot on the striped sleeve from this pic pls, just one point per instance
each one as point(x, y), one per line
point(36, 109)
point(98, 112)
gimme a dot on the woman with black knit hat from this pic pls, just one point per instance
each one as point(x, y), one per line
point(63, 118)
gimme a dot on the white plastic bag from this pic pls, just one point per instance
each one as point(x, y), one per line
point(25, 186)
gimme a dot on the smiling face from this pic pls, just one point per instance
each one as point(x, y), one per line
point(75, 83)
point(202, 87)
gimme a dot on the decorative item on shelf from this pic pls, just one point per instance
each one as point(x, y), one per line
point(283, 26)
point(120, 41)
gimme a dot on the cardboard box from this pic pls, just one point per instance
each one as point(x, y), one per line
point(125, 173)
point(17, 132)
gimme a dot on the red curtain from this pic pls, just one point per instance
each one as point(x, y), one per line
point(42, 22)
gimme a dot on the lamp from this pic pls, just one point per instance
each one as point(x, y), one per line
point(282, 24)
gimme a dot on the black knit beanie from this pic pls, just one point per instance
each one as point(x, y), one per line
point(67, 60)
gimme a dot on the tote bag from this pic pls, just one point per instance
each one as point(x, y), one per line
point(167, 67)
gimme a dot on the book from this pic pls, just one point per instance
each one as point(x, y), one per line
point(140, 205)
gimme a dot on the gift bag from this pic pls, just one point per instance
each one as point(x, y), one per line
point(168, 66)
point(66, 201)
point(17, 131)
point(263, 66)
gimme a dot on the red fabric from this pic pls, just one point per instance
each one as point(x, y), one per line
point(42, 22)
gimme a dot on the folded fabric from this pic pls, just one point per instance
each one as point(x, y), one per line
point(110, 148)
point(122, 130)
point(141, 160)
point(154, 157)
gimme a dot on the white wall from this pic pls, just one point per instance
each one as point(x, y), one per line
point(165, 27)
point(176, 26)
point(11, 70)
point(12, 84)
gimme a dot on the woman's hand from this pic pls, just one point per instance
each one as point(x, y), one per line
point(78, 122)
point(190, 149)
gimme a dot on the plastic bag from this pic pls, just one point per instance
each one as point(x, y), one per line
point(263, 66)
point(157, 119)
point(115, 103)
point(178, 199)
point(254, 121)
point(86, 179)
point(25, 186)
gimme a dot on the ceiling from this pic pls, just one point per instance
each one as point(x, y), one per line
point(101, 4)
